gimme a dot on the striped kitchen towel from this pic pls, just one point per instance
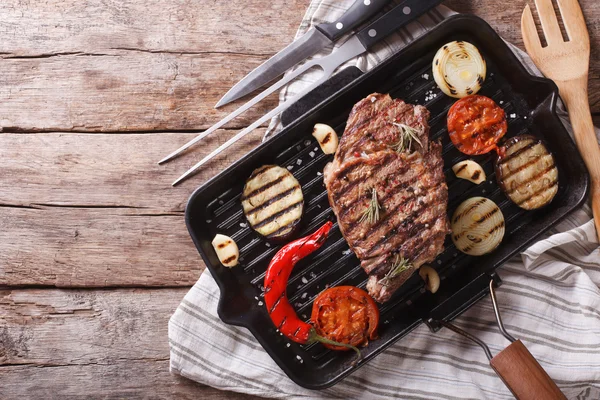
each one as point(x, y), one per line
point(550, 299)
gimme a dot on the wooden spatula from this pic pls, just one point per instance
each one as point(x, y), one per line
point(567, 64)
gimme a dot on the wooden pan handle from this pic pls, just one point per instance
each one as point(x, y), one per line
point(523, 375)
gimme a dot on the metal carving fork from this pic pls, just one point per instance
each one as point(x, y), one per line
point(567, 64)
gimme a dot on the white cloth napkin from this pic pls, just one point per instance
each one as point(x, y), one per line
point(550, 300)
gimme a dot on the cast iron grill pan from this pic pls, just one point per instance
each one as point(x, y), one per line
point(215, 207)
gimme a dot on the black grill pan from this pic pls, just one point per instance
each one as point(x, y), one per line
point(215, 207)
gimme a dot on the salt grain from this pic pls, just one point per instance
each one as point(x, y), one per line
point(290, 167)
point(303, 295)
point(373, 99)
point(316, 148)
point(267, 244)
point(243, 225)
point(299, 358)
point(319, 173)
point(260, 303)
point(346, 252)
point(425, 76)
point(287, 345)
point(299, 161)
point(307, 143)
point(501, 101)
point(255, 297)
point(304, 280)
point(513, 115)
point(208, 221)
point(312, 154)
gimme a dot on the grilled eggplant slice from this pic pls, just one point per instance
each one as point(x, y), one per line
point(272, 201)
point(526, 171)
point(477, 226)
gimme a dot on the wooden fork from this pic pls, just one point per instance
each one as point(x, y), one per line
point(567, 64)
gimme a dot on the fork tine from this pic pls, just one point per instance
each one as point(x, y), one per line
point(530, 35)
point(573, 20)
point(549, 21)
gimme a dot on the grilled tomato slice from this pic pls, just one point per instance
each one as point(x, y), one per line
point(475, 124)
point(345, 314)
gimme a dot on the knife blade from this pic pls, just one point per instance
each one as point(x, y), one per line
point(399, 16)
point(314, 40)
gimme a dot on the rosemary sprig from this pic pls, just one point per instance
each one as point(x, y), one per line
point(407, 135)
point(371, 213)
point(399, 265)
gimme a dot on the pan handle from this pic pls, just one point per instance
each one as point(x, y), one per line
point(518, 369)
point(523, 375)
point(515, 365)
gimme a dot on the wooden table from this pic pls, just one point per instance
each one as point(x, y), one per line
point(94, 253)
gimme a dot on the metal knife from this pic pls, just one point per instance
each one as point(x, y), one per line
point(399, 16)
point(309, 44)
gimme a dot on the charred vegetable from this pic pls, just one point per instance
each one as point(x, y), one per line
point(476, 124)
point(459, 69)
point(273, 202)
point(470, 171)
point(526, 171)
point(279, 308)
point(345, 314)
point(226, 249)
point(327, 138)
point(477, 226)
point(431, 278)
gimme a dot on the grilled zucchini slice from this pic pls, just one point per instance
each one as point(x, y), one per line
point(526, 171)
point(272, 201)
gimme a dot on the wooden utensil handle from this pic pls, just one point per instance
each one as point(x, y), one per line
point(523, 375)
point(575, 96)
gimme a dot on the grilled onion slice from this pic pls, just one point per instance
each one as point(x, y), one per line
point(477, 226)
point(526, 171)
point(272, 201)
point(459, 69)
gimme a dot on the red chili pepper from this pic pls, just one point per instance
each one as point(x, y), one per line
point(282, 314)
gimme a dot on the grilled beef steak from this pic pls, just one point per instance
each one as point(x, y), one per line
point(407, 184)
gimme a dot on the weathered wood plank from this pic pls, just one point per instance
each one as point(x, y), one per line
point(60, 26)
point(109, 66)
point(108, 170)
point(111, 344)
point(83, 247)
point(120, 91)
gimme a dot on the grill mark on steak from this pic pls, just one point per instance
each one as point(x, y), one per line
point(381, 129)
point(339, 197)
point(388, 209)
point(405, 228)
point(411, 190)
